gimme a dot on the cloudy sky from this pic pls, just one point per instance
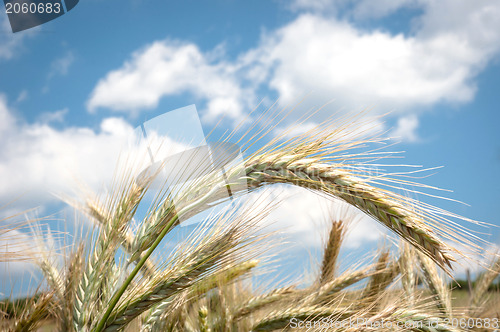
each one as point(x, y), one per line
point(73, 89)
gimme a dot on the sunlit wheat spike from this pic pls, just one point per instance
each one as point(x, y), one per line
point(282, 167)
point(202, 319)
point(74, 269)
point(437, 285)
point(113, 225)
point(45, 259)
point(386, 269)
point(194, 265)
point(335, 181)
point(407, 261)
point(224, 277)
point(331, 251)
point(163, 314)
point(484, 282)
point(127, 238)
point(34, 313)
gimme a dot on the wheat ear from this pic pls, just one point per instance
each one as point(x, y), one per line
point(74, 270)
point(331, 251)
point(279, 167)
point(93, 289)
point(333, 180)
point(384, 274)
point(407, 267)
point(202, 319)
point(34, 313)
point(484, 282)
point(207, 258)
point(436, 284)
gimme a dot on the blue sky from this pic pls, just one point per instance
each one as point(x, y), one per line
point(71, 89)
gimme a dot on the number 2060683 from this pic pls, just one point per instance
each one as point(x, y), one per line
point(33, 8)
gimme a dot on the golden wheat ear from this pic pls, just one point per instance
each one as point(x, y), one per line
point(483, 282)
point(331, 251)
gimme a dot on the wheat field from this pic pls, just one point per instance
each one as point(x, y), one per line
point(110, 281)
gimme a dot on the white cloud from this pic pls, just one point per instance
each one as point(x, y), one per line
point(303, 217)
point(23, 95)
point(315, 5)
point(10, 43)
point(170, 68)
point(6, 118)
point(326, 55)
point(39, 163)
point(406, 129)
point(61, 65)
point(359, 69)
point(37, 160)
point(56, 116)
point(364, 9)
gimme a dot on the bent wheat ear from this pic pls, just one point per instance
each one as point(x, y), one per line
point(334, 181)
